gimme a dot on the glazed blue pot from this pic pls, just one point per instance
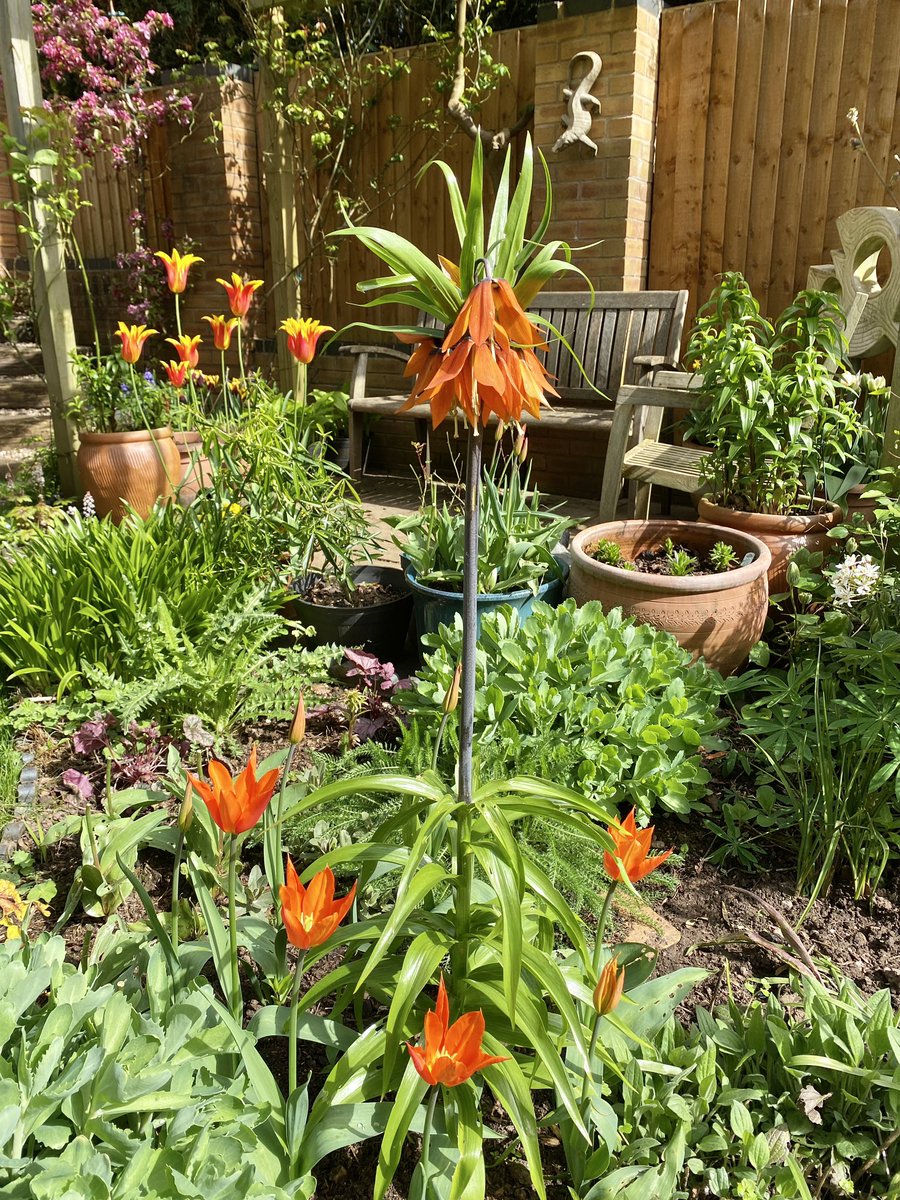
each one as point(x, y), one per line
point(433, 607)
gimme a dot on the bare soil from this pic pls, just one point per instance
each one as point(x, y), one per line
point(329, 592)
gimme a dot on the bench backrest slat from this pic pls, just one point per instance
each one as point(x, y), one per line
point(606, 331)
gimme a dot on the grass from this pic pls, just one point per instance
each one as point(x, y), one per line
point(10, 765)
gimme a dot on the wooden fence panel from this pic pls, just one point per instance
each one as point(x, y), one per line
point(754, 161)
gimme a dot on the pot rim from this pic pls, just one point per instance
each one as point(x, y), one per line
point(297, 597)
point(773, 523)
point(486, 597)
point(659, 584)
point(126, 435)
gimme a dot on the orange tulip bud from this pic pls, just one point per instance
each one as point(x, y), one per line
point(240, 293)
point(177, 267)
point(311, 914)
point(235, 804)
point(452, 1053)
point(186, 347)
point(298, 725)
point(610, 987)
point(133, 339)
point(452, 697)
point(632, 847)
point(222, 329)
point(303, 337)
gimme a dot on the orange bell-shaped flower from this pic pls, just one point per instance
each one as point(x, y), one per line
point(177, 267)
point(452, 1053)
point(236, 804)
point(312, 914)
point(632, 848)
point(133, 339)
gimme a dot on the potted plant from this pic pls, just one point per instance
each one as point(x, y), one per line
point(706, 585)
point(516, 561)
point(127, 457)
point(848, 479)
point(773, 415)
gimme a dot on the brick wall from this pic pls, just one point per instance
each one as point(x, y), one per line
point(602, 197)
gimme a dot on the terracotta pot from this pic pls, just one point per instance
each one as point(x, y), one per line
point(133, 469)
point(717, 616)
point(855, 505)
point(783, 535)
point(196, 469)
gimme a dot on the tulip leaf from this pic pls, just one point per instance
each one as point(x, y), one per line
point(462, 1111)
point(217, 935)
point(272, 1021)
point(408, 1099)
point(421, 882)
point(508, 1083)
point(419, 964)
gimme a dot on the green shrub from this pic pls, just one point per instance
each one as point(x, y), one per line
point(589, 699)
point(796, 1095)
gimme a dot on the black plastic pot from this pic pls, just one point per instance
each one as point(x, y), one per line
point(380, 628)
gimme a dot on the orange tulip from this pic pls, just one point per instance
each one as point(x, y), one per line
point(452, 1053)
point(632, 847)
point(486, 361)
point(303, 336)
point(133, 339)
point(222, 329)
point(186, 347)
point(311, 914)
point(177, 372)
point(610, 987)
point(240, 293)
point(236, 804)
point(177, 267)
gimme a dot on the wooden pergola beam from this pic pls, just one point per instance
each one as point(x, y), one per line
point(22, 89)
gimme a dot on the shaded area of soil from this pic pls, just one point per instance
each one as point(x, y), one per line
point(329, 592)
point(860, 937)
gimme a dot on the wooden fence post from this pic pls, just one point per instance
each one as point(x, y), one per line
point(22, 88)
point(276, 148)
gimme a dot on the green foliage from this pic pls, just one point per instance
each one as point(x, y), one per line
point(10, 766)
point(611, 553)
point(589, 698)
point(109, 1087)
point(723, 556)
point(771, 408)
point(112, 396)
point(795, 1095)
point(123, 599)
point(516, 537)
point(822, 712)
point(679, 561)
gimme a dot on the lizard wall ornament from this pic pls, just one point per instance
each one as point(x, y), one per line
point(580, 103)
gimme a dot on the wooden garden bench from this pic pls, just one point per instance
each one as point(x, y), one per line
point(619, 337)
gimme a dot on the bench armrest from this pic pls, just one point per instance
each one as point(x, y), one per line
point(362, 354)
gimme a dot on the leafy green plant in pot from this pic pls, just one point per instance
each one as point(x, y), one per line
point(516, 560)
point(773, 414)
point(849, 480)
point(127, 458)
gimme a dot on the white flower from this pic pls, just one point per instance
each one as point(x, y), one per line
point(854, 578)
point(88, 507)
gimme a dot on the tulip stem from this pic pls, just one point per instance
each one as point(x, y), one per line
point(601, 928)
point(426, 1137)
point(176, 871)
point(240, 341)
point(232, 930)
point(292, 1029)
point(279, 834)
point(177, 312)
point(589, 1072)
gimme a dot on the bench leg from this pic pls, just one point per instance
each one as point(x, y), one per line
point(615, 455)
point(356, 445)
point(639, 499)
